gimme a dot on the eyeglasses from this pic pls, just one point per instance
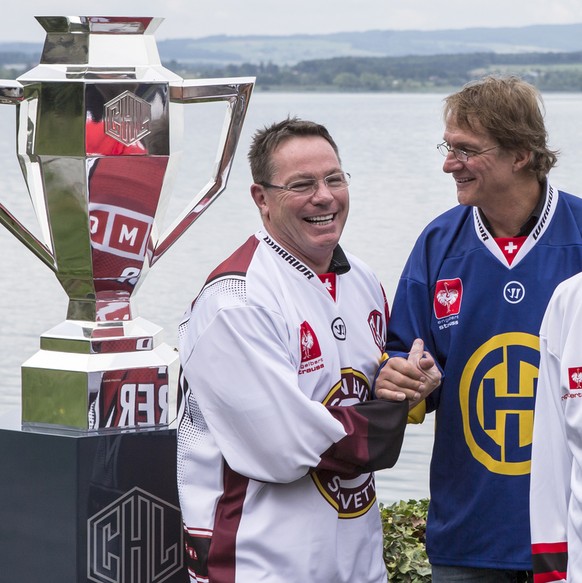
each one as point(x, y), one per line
point(461, 155)
point(333, 182)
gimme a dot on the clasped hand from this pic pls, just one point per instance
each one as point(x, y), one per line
point(412, 378)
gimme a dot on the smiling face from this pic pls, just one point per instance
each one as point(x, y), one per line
point(307, 225)
point(484, 180)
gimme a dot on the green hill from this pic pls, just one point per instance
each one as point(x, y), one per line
point(289, 50)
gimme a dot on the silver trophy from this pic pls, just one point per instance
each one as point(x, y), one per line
point(99, 131)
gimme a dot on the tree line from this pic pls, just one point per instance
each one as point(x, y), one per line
point(548, 71)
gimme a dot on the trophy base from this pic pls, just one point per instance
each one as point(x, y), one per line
point(94, 377)
point(91, 508)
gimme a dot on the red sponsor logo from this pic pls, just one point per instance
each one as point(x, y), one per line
point(575, 378)
point(448, 295)
point(310, 349)
point(311, 360)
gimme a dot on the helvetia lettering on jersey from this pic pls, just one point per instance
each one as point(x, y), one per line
point(351, 498)
point(298, 265)
point(351, 389)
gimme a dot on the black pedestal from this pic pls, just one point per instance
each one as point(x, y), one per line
point(89, 508)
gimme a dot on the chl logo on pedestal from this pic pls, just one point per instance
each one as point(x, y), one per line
point(133, 540)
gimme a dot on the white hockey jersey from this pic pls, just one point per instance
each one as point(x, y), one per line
point(279, 437)
point(556, 472)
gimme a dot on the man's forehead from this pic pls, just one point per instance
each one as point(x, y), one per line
point(470, 126)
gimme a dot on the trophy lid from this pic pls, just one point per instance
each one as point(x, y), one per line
point(102, 46)
point(99, 24)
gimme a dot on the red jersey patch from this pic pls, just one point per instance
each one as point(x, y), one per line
point(510, 246)
point(329, 281)
point(309, 344)
point(311, 359)
point(575, 378)
point(448, 294)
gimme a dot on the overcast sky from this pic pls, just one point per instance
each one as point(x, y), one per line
point(196, 19)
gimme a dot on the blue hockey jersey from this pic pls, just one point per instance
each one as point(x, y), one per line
point(478, 307)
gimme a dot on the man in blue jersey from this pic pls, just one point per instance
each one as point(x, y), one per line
point(475, 288)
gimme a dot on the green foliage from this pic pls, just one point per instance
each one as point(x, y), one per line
point(436, 73)
point(404, 527)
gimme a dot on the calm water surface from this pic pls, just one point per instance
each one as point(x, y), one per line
point(387, 143)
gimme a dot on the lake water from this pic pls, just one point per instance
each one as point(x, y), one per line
point(387, 142)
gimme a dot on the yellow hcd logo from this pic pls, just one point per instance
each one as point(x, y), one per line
point(497, 392)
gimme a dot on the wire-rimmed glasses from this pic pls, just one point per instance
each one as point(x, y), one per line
point(458, 153)
point(333, 182)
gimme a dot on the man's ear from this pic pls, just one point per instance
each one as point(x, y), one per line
point(521, 159)
point(258, 194)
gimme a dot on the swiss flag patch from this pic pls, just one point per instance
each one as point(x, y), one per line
point(510, 246)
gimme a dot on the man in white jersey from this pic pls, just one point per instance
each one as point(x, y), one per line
point(279, 435)
point(556, 483)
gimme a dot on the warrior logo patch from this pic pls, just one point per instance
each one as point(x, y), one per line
point(514, 292)
point(575, 378)
point(448, 295)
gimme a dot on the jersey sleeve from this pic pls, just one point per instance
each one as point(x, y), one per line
point(550, 471)
point(245, 382)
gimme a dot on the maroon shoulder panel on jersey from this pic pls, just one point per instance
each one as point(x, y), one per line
point(238, 262)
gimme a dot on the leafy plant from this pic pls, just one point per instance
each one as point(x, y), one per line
point(404, 527)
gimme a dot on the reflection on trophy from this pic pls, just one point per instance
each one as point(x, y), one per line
point(98, 139)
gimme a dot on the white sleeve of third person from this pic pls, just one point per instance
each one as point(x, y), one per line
point(551, 457)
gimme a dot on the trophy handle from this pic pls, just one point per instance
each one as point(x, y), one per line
point(26, 237)
point(12, 92)
point(237, 92)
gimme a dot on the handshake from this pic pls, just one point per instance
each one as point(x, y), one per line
point(412, 378)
